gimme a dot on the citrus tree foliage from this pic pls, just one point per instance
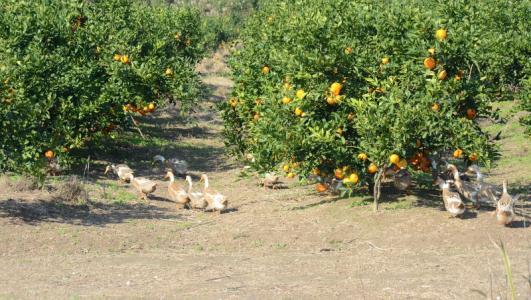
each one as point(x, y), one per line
point(71, 69)
point(337, 87)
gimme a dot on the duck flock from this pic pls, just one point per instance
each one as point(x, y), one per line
point(457, 187)
point(207, 199)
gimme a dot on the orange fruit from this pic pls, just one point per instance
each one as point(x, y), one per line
point(372, 168)
point(321, 187)
point(435, 107)
point(338, 173)
point(471, 113)
point(459, 75)
point(49, 154)
point(458, 152)
point(300, 94)
point(286, 168)
point(265, 70)
point(286, 100)
point(151, 106)
point(117, 57)
point(291, 175)
point(288, 86)
point(385, 60)
point(233, 102)
point(348, 50)
point(402, 164)
point(316, 171)
point(362, 156)
point(430, 63)
point(298, 112)
point(124, 59)
point(335, 88)
point(431, 51)
point(394, 159)
point(441, 34)
point(331, 100)
point(442, 75)
point(354, 178)
point(168, 72)
point(473, 157)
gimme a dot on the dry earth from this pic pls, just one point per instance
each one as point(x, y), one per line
point(289, 243)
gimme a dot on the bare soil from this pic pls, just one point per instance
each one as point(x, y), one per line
point(286, 243)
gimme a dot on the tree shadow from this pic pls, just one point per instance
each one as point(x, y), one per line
point(88, 214)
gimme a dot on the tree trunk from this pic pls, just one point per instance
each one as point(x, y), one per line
point(377, 187)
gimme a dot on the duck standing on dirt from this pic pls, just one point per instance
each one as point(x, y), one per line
point(487, 192)
point(505, 207)
point(121, 170)
point(216, 201)
point(197, 199)
point(271, 181)
point(178, 166)
point(452, 200)
point(177, 193)
point(402, 180)
point(467, 189)
point(143, 186)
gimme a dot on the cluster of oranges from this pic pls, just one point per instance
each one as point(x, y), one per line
point(149, 108)
point(124, 59)
point(458, 153)
point(333, 96)
point(421, 161)
point(290, 168)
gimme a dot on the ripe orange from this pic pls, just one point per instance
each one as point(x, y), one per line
point(233, 102)
point(286, 168)
point(321, 187)
point(430, 63)
point(441, 34)
point(286, 100)
point(442, 75)
point(151, 106)
point(300, 94)
point(402, 164)
point(168, 72)
point(471, 113)
point(372, 168)
point(431, 51)
point(473, 157)
point(338, 173)
point(435, 107)
point(331, 100)
point(458, 152)
point(298, 112)
point(265, 70)
point(385, 60)
point(335, 88)
point(124, 59)
point(362, 156)
point(290, 175)
point(117, 57)
point(394, 159)
point(49, 154)
point(348, 50)
point(354, 178)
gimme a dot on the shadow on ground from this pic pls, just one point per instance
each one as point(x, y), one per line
point(89, 214)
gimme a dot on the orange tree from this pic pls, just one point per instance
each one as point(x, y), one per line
point(347, 89)
point(72, 69)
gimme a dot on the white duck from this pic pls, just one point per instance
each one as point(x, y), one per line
point(467, 189)
point(216, 201)
point(505, 207)
point(452, 200)
point(177, 192)
point(197, 199)
point(144, 186)
point(121, 170)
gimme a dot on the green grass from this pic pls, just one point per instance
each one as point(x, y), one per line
point(361, 202)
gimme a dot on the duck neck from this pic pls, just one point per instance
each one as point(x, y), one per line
point(205, 184)
point(189, 180)
point(172, 177)
point(505, 187)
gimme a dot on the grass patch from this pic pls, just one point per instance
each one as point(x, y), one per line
point(401, 204)
point(361, 202)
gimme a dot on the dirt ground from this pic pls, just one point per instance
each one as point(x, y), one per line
point(288, 243)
